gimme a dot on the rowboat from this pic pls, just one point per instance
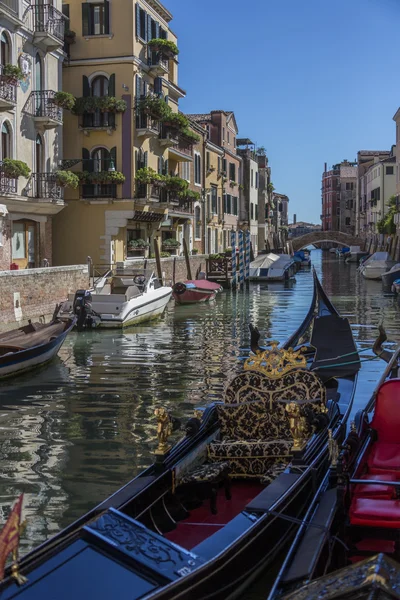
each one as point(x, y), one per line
point(354, 516)
point(196, 290)
point(376, 265)
point(204, 519)
point(31, 346)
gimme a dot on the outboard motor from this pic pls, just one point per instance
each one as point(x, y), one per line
point(179, 288)
point(82, 308)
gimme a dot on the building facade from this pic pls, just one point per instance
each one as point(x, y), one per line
point(249, 210)
point(138, 157)
point(31, 44)
point(379, 186)
point(365, 159)
point(213, 207)
point(347, 197)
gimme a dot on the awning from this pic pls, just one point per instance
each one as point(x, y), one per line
point(3, 210)
point(147, 216)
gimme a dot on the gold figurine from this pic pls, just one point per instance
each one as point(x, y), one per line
point(164, 430)
point(333, 449)
point(297, 425)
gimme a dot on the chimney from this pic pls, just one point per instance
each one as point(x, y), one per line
point(326, 167)
point(294, 219)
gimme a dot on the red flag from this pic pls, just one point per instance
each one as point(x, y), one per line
point(9, 536)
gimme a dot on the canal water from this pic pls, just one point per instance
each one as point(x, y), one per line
point(75, 431)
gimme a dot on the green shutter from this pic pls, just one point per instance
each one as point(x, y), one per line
point(157, 29)
point(113, 156)
point(159, 168)
point(145, 159)
point(85, 86)
point(166, 167)
point(148, 34)
point(87, 164)
point(111, 85)
point(106, 16)
point(137, 19)
point(86, 25)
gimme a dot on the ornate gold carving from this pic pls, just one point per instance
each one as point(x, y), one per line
point(333, 449)
point(276, 362)
point(298, 426)
point(164, 430)
point(198, 413)
point(20, 579)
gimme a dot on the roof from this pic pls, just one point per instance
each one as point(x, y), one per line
point(373, 152)
point(160, 8)
point(199, 117)
point(244, 142)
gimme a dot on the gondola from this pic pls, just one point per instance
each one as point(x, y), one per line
point(355, 515)
point(32, 345)
point(204, 520)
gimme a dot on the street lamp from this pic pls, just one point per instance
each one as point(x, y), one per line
point(111, 168)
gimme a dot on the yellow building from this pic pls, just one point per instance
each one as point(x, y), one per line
point(123, 70)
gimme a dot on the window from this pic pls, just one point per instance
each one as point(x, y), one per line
point(349, 186)
point(101, 159)
point(185, 171)
point(207, 161)
point(228, 204)
point(251, 178)
point(95, 18)
point(251, 211)
point(235, 206)
point(234, 142)
point(5, 141)
point(219, 164)
point(4, 50)
point(197, 223)
point(214, 208)
point(224, 166)
point(197, 168)
point(256, 215)
point(223, 134)
point(256, 180)
point(389, 170)
point(228, 136)
point(232, 172)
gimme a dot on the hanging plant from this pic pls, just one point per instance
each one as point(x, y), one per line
point(165, 47)
point(69, 36)
point(63, 100)
point(147, 175)
point(176, 184)
point(101, 177)
point(195, 250)
point(67, 179)
point(89, 104)
point(193, 138)
point(138, 244)
point(154, 107)
point(11, 73)
point(189, 196)
point(233, 184)
point(15, 168)
point(176, 121)
point(171, 243)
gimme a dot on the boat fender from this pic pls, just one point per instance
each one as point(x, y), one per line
point(192, 427)
point(179, 288)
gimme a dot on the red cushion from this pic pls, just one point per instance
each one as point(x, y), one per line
point(386, 419)
point(371, 512)
point(384, 457)
point(369, 490)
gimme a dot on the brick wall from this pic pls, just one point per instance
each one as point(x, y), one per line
point(167, 266)
point(39, 291)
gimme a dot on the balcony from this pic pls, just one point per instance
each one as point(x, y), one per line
point(40, 106)
point(9, 10)
point(182, 152)
point(43, 186)
point(147, 127)
point(151, 193)
point(7, 185)
point(158, 65)
point(8, 92)
point(48, 27)
point(99, 190)
point(97, 121)
point(168, 137)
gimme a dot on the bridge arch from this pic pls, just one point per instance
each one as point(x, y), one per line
point(337, 237)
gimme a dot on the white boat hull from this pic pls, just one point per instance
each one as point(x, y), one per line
point(370, 272)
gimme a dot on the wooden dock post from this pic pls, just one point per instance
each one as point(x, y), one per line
point(187, 259)
point(158, 261)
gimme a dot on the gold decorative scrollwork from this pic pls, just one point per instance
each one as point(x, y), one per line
point(198, 413)
point(276, 362)
point(298, 426)
point(333, 449)
point(164, 430)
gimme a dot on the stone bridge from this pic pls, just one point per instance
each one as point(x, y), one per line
point(316, 237)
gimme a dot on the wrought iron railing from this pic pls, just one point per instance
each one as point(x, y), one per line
point(10, 5)
point(8, 87)
point(144, 121)
point(44, 185)
point(7, 185)
point(156, 59)
point(166, 133)
point(98, 119)
point(41, 104)
point(99, 190)
point(46, 18)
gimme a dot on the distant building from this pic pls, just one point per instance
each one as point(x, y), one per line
point(338, 192)
point(365, 160)
point(250, 182)
point(281, 211)
point(302, 228)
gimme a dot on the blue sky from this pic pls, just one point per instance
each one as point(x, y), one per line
point(312, 81)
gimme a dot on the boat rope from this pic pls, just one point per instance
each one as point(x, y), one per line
point(345, 355)
point(352, 362)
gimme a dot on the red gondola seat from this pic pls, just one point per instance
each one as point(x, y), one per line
point(385, 453)
point(369, 512)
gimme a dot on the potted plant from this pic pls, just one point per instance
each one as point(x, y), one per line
point(189, 196)
point(138, 244)
point(176, 184)
point(69, 36)
point(15, 168)
point(192, 138)
point(11, 73)
point(147, 175)
point(171, 243)
point(233, 184)
point(195, 250)
point(165, 254)
point(154, 107)
point(63, 100)
point(115, 177)
point(165, 47)
point(228, 252)
point(176, 121)
point(67, 179)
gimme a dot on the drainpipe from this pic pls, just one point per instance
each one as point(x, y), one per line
point(203, 165)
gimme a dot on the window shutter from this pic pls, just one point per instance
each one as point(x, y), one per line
point(157, 29)
point(159, 168)
point(157, 85)
point(138, 86)
point(148, 34)
point(65, 10)
point(106, 16)
point(166, 167)
point(137, 19)
point(113, 157)
point(224, 164)
point(145, 158)
point(87, 164)
point(85, 86)
point(86, 25)
point(111, 85)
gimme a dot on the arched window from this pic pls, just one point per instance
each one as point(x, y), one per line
point(5, 50)
point(38, 73)
point(101, 159)
point(5, 141)
point(197, 224)
point(98, 88)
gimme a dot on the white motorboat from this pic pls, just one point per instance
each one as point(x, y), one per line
point(390, 277)
point(272, 267)
point(355, 254)
point(118, 301)
point(376, 265)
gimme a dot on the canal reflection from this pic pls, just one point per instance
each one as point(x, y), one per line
point(72, 433)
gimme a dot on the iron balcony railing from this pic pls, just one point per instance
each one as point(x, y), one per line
point(47, 19)
point(41, 104)
point(99, 190)
point(7, 185)
point(8, 87)
point(157, 60)
point(44, 185)
point(172, 135)
point(144, 121)
point(98, 119)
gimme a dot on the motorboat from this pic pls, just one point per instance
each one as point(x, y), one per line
point(33, 345)
point(376, 265)
point(118, 300)
point(390, 277)
point(204, 519)
point(342, 252)
point(196, 290)
point(272, 267)
point(355, 254)
point(303, 258)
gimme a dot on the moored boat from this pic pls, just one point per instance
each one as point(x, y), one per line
point(376, 265)
point(170, 533)
point(272, 267)
point(31, 346)
point(122, 300)
point(390, 277)
point(303, 257)
point(354, 254)
point(193, 291)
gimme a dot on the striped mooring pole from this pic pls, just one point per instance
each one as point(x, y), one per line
point(241, 258)
point(233, 246)
point(247, 256)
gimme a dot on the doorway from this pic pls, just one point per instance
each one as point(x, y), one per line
point(24, 240)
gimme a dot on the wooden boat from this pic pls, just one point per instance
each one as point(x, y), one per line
point(390, 277)
point(31, 346)
point(183, 528)
point(272, 267)
point(355, 513)
point(376, 265)
point(196, 290)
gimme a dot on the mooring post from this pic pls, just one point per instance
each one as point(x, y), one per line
point(241, 259)
point(233, 246)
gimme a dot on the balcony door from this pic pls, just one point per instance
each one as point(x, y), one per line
point(39, 168)
point(99, 88)
point(5, 141)
point(24, 241)
point(38, 85)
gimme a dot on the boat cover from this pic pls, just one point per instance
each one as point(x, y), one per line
point(202, 284)
point(333, 338)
